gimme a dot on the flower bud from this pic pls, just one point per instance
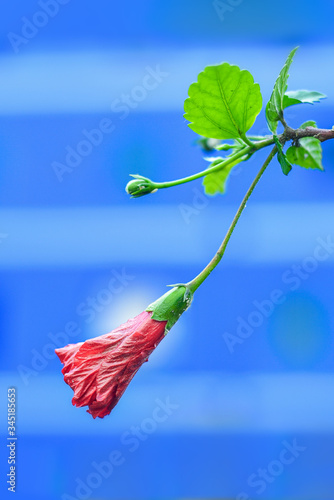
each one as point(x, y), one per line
point(100, 369)
point(140, 186)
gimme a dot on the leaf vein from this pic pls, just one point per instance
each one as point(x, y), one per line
point(225, 101)
point(236, 88)
point(245, 109)
point(212, 121)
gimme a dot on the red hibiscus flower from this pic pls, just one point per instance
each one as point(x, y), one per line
point(100, 369)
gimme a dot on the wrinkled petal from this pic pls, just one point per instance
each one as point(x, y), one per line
point(67, 355)
point(99, 370)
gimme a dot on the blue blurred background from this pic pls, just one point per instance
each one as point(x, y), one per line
point(78, 257)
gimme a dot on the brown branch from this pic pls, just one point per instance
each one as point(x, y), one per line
point(320, 133)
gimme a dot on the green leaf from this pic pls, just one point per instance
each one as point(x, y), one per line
point(223, 103)
point(301, 96)
point(308, 154)
point(309, 123)
point(274, 108)
point(216, 182)
point(285, 164)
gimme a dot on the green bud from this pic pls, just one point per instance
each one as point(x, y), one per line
point(224, 147)
point(140, 186)
point(208, 144)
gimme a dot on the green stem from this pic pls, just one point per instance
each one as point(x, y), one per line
point(244, 152)
point(198, 280)
point(247, 140)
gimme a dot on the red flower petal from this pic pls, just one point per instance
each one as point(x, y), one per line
point(99, 370)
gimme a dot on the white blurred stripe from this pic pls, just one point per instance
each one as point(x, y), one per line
point(206, 402)
point(87, 81)
point(267, 233)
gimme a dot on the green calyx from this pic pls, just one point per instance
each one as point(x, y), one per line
point(171, 305)
point(140, 186)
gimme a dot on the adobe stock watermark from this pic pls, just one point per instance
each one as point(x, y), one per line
point(74, 155)
point(263, 477)
point(130, 441)
point(87, 309)
point(200, 200)
point(48, 9)
point(222, 7)
point(293, 277)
